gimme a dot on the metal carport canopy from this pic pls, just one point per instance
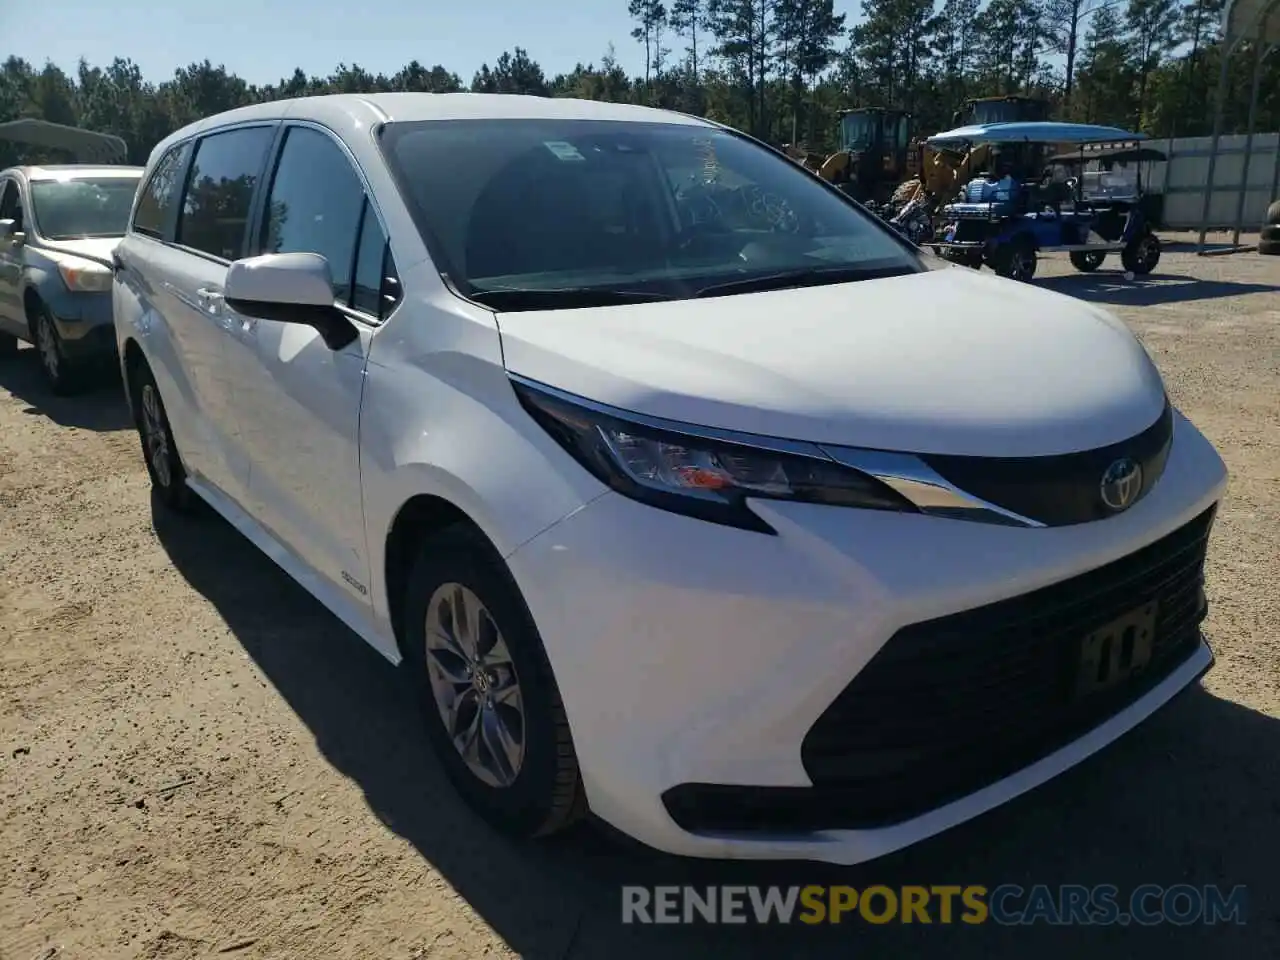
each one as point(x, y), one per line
point(1257, 21)
point(1247, 20)
point(86, 145)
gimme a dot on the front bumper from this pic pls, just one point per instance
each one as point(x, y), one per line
point(84, 324)
point(688, 653)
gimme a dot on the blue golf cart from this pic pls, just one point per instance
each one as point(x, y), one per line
point(1027, 202)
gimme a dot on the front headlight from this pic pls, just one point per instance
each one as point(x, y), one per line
point(84, 276)
point(698, 476)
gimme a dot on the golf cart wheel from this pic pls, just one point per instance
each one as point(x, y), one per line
point(1141, 256)
point(1016, 260)
point(486, 690)
point(1087, 261)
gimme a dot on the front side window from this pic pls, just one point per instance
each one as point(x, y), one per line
point(215, 207)
point(11, 203)
point(640, 210)
point(161, 193)
point(77, 209)
point(315, 205)
point(374, 270)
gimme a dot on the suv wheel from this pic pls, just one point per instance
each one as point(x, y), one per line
point(489, 701)
point(168, 478)
point(64, 376)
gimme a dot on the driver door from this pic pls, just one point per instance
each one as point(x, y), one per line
point(12, 315)
point(298, 400)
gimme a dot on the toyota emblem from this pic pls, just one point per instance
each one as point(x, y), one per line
point(1121, 483)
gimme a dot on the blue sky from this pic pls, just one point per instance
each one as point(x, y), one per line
point(262, 40)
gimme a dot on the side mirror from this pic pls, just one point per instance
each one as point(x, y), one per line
point(289, 288)
point(9, 231)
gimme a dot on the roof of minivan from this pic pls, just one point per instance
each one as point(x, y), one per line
point(345, 109)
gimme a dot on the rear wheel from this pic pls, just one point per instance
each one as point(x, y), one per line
point(164, 465)
point(1141, 256)
point(1087, 261)
point(488, 697)
point(1016, 259)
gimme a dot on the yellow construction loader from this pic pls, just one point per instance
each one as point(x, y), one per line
point(875, 153)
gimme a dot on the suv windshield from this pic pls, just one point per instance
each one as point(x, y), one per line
point(82, 208)
point(530, 214)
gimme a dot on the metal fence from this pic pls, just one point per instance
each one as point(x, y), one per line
point(1181, 180)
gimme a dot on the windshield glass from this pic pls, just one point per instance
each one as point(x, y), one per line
point(858, 131)
point(652, 211)
point(80, 209)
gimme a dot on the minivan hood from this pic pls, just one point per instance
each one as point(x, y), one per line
point(95, 248)
point(950, 361)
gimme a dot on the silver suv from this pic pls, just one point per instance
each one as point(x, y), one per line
point(58, 228)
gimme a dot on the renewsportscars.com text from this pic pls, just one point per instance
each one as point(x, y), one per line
point(1006, 904)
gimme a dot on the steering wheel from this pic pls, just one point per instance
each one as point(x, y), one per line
point(771, 208)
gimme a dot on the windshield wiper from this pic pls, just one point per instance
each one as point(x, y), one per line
point(806, 277)
point(562, 298)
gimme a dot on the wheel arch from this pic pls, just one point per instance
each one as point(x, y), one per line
point(419, 518)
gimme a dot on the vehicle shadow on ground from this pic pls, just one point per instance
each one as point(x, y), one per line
point(1192, 797)
point(1152, 290)
point(101, 406)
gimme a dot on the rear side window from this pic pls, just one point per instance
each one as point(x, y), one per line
point(161, 193)
point(215, 208)
point(315, 204)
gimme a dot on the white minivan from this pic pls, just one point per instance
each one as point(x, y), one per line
point(684, 491)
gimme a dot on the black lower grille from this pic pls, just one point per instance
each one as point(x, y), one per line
point(951, 705)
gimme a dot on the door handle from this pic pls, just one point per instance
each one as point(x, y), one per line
point(209, 295)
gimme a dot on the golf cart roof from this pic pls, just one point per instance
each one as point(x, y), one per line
point(1128, 154)
point(1041, 131)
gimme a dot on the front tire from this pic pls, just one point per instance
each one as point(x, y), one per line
point(164, 465)
point(1016, 260)
point(488, 698)
point(1087, 261)
point(1141, 256)
point(64, 376)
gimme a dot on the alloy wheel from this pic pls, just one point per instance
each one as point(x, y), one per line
point(47, 342)
point(475, 685)
point(155, 435)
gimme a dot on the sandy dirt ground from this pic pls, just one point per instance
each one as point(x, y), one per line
point(196, 760)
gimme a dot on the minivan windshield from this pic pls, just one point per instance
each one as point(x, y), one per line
point(83, 208)
point(526, 214)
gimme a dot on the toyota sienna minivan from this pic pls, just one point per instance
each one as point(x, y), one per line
point(682, 490)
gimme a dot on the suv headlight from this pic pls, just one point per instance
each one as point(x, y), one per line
point(84, 276)
point(699, 476)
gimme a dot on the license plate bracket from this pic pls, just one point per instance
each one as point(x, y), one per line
point(1116, 651)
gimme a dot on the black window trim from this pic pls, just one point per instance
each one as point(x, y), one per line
point(172, 232)
point(262, 196)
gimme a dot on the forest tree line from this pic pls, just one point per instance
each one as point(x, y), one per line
point(780, 69)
